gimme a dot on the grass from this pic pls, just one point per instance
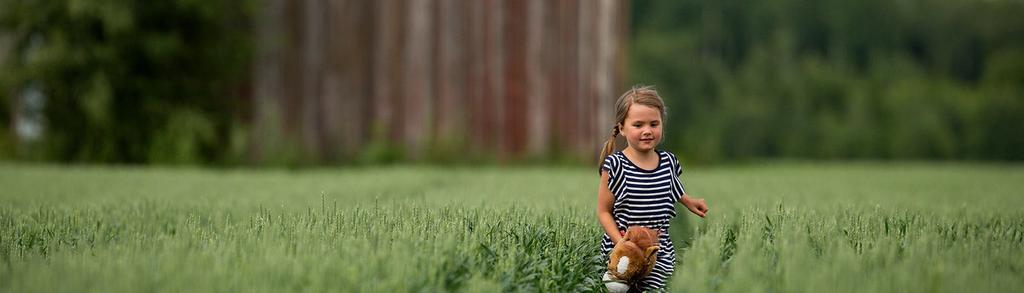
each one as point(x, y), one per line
point(794, 227)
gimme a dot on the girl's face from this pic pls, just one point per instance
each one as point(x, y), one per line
point(642, 127)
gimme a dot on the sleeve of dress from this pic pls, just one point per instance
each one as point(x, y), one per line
point(611, 165)
point(677, 187)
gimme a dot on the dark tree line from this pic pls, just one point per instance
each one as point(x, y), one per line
point(918, 79)
point(172, 81)
point(124, 81)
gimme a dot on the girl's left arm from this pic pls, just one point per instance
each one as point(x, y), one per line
point(695, 205)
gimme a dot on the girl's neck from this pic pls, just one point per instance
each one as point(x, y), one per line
point(638, 154)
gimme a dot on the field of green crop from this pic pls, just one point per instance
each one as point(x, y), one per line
point(793, 227)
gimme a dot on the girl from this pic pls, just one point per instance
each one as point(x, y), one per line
point(640, 184)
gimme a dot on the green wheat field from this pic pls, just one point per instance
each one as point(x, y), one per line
point(778, 227)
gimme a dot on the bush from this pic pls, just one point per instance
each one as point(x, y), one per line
point(123, 81)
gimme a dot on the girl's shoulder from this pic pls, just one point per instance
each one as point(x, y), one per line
point(612, 162)
point(669, 154)
point(672, 159)
point(613, 159)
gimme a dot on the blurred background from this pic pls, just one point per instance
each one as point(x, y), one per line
point(346, 82)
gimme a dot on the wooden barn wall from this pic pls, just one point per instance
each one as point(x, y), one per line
point(489, 78)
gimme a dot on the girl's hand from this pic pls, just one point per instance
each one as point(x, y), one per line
point(616, 240)
point(695, 205)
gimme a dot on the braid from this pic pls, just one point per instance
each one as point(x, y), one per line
point(609, 145)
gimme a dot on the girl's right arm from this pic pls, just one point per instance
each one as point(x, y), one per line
point(604, 209)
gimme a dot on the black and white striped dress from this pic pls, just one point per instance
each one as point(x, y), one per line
point(645, 198)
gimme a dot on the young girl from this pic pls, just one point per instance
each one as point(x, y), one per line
point(640, 184)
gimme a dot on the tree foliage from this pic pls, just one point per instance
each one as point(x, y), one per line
point(836, 79)
point(129, 81)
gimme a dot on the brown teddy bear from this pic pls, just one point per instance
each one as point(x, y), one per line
point(632, 258)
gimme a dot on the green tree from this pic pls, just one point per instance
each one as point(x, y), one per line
point(131, 81)
point(922, 79)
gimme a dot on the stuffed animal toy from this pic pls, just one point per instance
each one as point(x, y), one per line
point(631, 259)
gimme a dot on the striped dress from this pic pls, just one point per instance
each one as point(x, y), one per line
point(645, 198)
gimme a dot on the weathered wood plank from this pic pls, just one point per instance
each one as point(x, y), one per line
point(496, 78)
